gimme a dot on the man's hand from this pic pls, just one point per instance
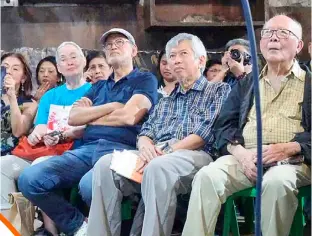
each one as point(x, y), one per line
point(237, 68)
point(147, 152)
point(51, 141)
point(274, 153)
point(83, 102)
point(246, 159)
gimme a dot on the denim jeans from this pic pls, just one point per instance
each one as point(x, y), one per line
point(39, 183)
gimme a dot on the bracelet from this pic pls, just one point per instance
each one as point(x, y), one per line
point(242, 76)
point(62, 137)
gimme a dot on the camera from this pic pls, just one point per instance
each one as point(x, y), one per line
point(237, 56)
point(3, 74)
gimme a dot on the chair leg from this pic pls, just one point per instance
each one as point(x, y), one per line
point(249, 215)
point(298, 222)
point(234, 223)
point(228, 209)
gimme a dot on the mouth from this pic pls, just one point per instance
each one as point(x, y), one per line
point(167, 73)
point(178, 69)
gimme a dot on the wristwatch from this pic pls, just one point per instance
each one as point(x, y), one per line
point(168, 150)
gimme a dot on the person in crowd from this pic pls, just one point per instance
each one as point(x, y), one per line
point(47, 76)
point(96, 68)
point(113, 111)
point(236, 62)
point(18, 110)
point(309, 64)
point(70, 62)
point(173, 145)
point(285, 99)
point(167, 80)
point(213, 68)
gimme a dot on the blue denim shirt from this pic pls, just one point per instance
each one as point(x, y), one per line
point(184, 113)
point(107, 91)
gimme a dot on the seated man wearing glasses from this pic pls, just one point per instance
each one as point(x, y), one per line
point(113, 111)
point(285, 94)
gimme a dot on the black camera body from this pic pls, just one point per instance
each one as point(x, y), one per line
point(237, 56)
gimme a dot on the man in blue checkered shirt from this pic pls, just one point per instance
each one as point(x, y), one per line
point(173, 145)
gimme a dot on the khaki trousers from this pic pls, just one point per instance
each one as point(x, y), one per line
point(217, 181)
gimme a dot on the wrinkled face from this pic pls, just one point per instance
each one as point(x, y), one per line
point(213, 71)
point(183, 63)
point(165, 70)
point(282, 46)
point(47, 73)
point(100, 69)
point(118, 49)
point(15, 68)
point(71, 62)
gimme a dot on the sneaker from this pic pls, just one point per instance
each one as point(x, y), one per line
point(82, 231)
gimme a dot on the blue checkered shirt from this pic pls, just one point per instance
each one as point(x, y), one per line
point(185, 113)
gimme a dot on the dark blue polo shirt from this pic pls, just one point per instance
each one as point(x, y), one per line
point(107, 91)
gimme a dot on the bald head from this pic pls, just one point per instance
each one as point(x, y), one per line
point(285, 22)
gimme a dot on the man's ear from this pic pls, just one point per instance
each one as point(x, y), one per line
point(299, 46)
point(134, 51)
point(202, 61)
point(58, 68)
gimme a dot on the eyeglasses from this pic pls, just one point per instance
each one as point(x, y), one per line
point(280, 33)
point(214, 70)
point(118, 43)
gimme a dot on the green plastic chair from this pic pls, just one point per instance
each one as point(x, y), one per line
point(126, 205)
point(230, 221)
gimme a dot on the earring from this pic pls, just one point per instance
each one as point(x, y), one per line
point(22, 87)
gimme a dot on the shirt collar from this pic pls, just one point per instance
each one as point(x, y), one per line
point(296, 72)
point(131, 75)
point(199, 85)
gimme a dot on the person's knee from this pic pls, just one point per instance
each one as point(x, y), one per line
point(85, 189)
point(276, 183)
point(28, 182)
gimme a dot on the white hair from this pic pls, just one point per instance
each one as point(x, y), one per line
point(196, 44)
point(57, 57)
point(297, 23)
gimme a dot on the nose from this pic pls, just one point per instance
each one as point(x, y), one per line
point(97, 70)
point(9, 70)
point(274, 37)
point(177, 59)
point(45, 74)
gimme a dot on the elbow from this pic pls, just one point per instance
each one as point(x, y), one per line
point(18, 133)
point(72, 121)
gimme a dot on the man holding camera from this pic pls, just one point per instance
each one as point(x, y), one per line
point(236, 62)
point(285, 90)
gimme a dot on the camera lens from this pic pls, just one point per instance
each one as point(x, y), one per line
point(235, 55)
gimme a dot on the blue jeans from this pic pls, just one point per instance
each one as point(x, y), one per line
point(39, 183)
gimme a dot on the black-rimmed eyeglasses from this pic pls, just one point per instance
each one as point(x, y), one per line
point(118, 43)
point(280, 33)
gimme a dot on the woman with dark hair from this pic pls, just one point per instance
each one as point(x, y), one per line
point(167, 80)
point(18, 109)
point(213, 68)
point(47, 76)
point(96, 67)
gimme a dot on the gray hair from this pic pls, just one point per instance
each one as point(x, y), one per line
point(241, 42)
point(297, 23)
point(197, 45)
point(57, 56)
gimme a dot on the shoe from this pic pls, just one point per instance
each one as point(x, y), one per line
point(82, 231)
